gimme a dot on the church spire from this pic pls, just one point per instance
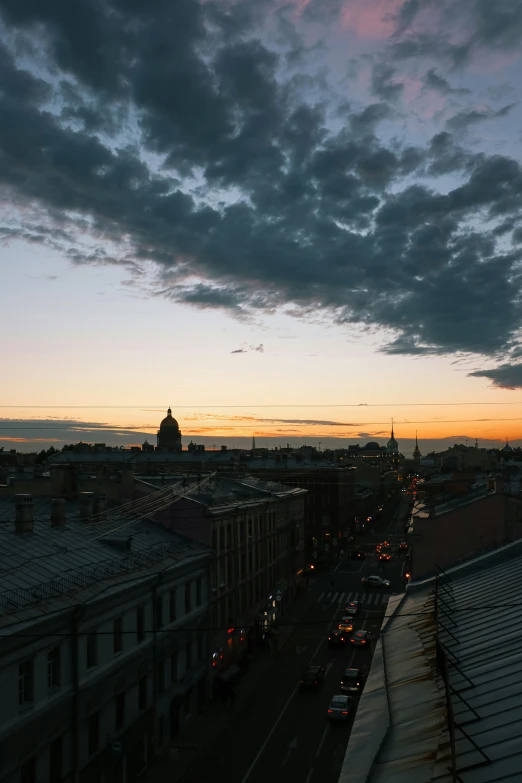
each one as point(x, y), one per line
point(392, 430)
point(416, 442)
point(253, 442)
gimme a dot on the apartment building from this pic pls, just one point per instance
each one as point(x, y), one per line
point(105, 646)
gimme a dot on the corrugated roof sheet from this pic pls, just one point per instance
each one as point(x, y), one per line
point(484, 638)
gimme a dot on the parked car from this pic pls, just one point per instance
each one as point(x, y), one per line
point(375, 581)
point(312, 677)
point(340, 707)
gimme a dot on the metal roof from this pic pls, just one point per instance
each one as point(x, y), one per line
point(482, 633)
point(51, 562)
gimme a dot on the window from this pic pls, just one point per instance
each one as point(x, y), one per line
point(326, 520)
point(172, 606)
point(188, 605)
point(140, 624)
point(174, 667)
point(159, 611)
point(92, 649)
point(56, 760)
point(53, 668)
point(93, 732)
point(119, 710)
point(214, 540)
point(142, 694)
point(199, 591)
point(28, 771)
point(161, 676)
point(118, 635)
point(200, 647)
point(25, 682)
point(188, 655)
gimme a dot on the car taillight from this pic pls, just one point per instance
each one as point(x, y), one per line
point(330, 710)
point(345, 712)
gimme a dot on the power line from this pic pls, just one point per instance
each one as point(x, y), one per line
point(270, 405)
point(368, 614)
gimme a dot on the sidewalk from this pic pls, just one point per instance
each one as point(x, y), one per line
point(204, 728)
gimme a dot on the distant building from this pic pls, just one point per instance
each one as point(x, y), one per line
point(392, 446)
point(416, 452)
point(169, 436)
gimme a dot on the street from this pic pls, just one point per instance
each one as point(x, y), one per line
point(283, 733)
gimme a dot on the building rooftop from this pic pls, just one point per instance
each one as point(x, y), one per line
point(47, 566)
point(218, 492)
point(402, 732)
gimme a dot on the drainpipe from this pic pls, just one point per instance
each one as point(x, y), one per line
point(155, 749)
point(78, 613)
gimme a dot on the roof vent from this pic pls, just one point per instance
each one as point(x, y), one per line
point(24, 519)
point(85, 506)
point(58, 517)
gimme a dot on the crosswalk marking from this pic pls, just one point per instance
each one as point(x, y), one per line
point(367, 599)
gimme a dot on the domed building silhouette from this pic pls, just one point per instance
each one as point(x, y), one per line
point(169, 436)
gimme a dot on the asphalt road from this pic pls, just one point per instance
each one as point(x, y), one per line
point(282, 733)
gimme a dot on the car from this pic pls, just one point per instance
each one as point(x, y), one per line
point(386, 543)
point(336, 638)
point(403, 546)
point(375, 581)
point(340, 707)
point(352, 681)
point(384, 557)
point(312, 677)
point(346, 624)
point(378, 548)
point(360, 639)
point(357, 554)
point(351, 609)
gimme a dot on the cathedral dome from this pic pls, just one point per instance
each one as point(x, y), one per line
point(169, 421)
point(372, 446)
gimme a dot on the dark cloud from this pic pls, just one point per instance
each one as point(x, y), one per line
point(505, 376)
point(434, 81)
point(170, 133)
point(464, 119)
point(382, 85)
point(256, 348)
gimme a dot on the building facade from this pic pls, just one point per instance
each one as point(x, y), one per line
point(105, 643)
point(255, 529)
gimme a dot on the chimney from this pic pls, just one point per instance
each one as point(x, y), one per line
point(499, 485)
point(100, 505)
point(85, 506)
point(58, 506)
point(24, 520)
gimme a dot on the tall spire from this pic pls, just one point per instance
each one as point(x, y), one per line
point(253, 442)
point(392, 430)
point(416, 442)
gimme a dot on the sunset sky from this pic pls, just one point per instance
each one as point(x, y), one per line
point(289, 219)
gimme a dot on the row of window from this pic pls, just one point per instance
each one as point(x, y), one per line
point(223, 537)
point(28, 769)
point(26, 676)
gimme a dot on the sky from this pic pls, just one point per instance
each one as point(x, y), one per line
point(295, 219)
